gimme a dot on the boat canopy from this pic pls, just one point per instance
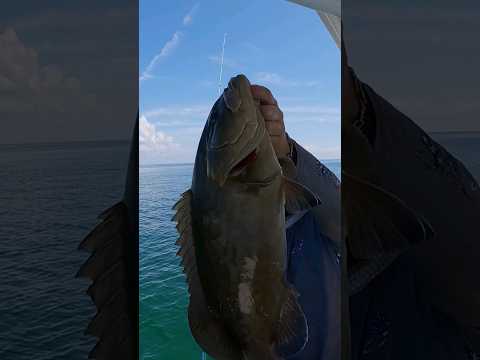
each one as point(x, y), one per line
point(330, 12)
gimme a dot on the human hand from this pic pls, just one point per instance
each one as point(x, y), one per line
point(273, 119)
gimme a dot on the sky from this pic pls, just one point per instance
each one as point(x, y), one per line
point(68, 70)
point(275, 43)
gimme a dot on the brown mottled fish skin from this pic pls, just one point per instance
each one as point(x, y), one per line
point(238, 226)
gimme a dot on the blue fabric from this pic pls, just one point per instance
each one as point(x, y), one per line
point(314, 270)
point(391, 319)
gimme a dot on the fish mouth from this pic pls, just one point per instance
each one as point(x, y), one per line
point(241, 165)
point(235, 168)
point(227, 162)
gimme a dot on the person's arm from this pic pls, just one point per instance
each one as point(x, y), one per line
point(404, 160)
point(324, 183)
point(309, 171)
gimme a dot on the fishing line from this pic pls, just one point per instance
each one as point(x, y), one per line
point(221, 64)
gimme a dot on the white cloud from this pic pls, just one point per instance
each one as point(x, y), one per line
point(166, 50)
point(312, 109)
point(20, 69)
point(156, 146)
point(169, 46)
point(226, 61)
point(185, 123)
point(187, 20)
point(150, 139)
point(27, 84)
point(180, 126)
point(317, 114)
point(180, 116)
point(196, 115)
point(269, 78)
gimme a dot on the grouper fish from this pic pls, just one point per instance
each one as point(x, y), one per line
point(232, 236)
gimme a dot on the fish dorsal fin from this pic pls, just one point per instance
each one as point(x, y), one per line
point(292, 331)
point(298, 197)
point(185, 240)
point(208, 332)
point(107, 268)
point(382, 222)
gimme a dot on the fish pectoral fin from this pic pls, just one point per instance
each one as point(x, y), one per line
point(288, 167)
point(208, 332)
point(292, 331)
point(298, 197)
point(381, 221)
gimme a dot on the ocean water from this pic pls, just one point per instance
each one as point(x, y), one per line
point(164, 331)
point(51, 195)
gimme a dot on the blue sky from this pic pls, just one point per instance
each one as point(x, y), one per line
point(275, 43)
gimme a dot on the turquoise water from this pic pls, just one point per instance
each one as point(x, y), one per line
point(164, 332)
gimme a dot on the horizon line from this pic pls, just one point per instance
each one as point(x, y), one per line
point(193, 163)
point(64, 142)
